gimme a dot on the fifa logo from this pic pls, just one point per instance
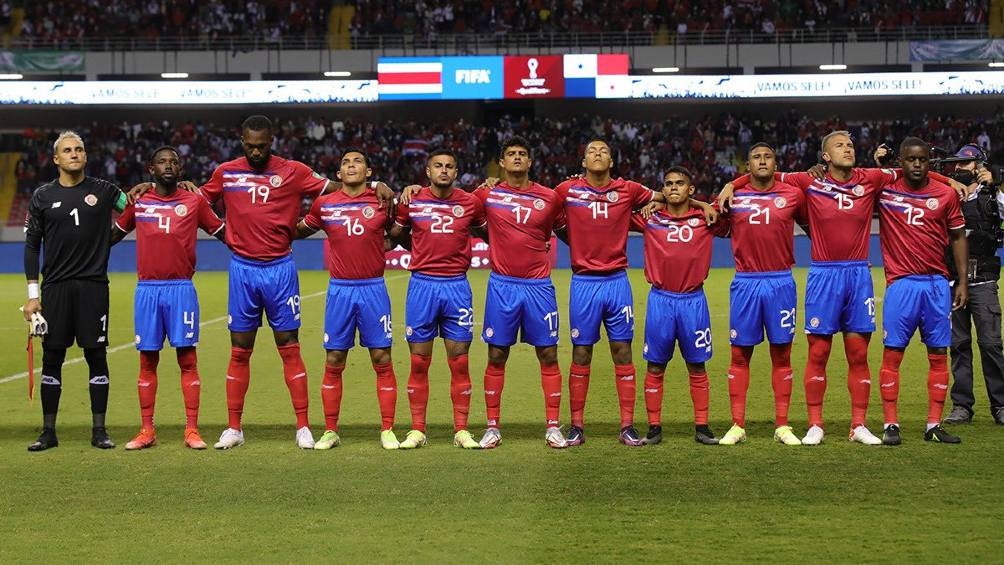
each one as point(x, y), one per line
point(473, 76)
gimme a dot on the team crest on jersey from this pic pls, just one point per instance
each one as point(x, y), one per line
point(181, 210)
point(275, 180)
point(538, 204)
point(368, 212)
point(932, 203)
point(575, 333)
point(814, 322)
point(780, 202)
point(458, 210)
point(91, 200)
point(613, 196)
point(694, 222)
point(858, 190)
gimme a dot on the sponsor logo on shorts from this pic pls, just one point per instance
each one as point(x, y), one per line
point(138, 339)
point(858, 190)
point(539, 204)
point(101, 339)
point(932, 203)
point(780, 202)
point(645, 349)
point(458, 210)
point(814, 322)
point(326, 339)
point(408, 331)
point(733, 333)
point(181, 210)
point(90, 200)
point(694, 222)
point(613, 196)
point(489, 332)
point(575, 333)
point(275, 180)
point(368, 212)
point(189, 335)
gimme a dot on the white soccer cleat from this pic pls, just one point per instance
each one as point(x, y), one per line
point(491, 439)
point(388, 440)
point(861, 434)
point(785, 435)
point(304, 439)
point(814, 436)
point(414, 440)
point(230, 438)
point(734, 436)
point(555, 439)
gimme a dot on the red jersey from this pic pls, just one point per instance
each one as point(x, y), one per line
point(677, 249)
point(166, 231)
point(520, 222)
point(441, 231)
point(355, 228)
point(598, 222)
point(914, 228)
point(762, 224)
point(262, 206)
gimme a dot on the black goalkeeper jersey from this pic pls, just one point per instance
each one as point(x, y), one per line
point(72, 227)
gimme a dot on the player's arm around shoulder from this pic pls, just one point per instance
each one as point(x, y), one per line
point(311, 223)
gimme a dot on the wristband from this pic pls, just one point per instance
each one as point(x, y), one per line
point(33, 291)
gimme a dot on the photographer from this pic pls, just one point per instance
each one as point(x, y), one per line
point(983, 229)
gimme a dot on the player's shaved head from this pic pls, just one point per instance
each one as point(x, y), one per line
point(257, 123)
point(911, 141)
point(915, 160)
point(153, 156)
point(165, 167)
point(256, 140)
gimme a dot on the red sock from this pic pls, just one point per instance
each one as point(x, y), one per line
point(889, 384)
point(238, 378)
point(653, 397)
point(550, 381)
point(331, 395)
point(626, 392)
point(700, 393)
point(494, 381)
point(386, 393)
point(739, 383)
point(460, 390)
point(578, 388)
point(191, 385)
point(937, 386)
point(859, 378)
point(815, 376)
point(418, 390)
point(147, 386)
point(296, 381)
point(781, 381)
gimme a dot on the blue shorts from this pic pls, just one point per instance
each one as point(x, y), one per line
point(762, 301)
point(672, 318)
point(357, 304)
point(839, 297)
point(595, 299)
point(439, 306)
point(166, 308)
point(525, 305)
point(271, 286)
point(917, 301)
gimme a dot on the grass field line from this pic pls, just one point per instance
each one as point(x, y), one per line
point(75, 360)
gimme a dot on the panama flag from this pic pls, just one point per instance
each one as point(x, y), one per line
point(409, 78)
point(599, 76)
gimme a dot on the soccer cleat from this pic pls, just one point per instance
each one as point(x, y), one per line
point(328, 440)
point(998, 414)
point(464, 439)
point(940, 435)
point(230, 438)
point(388, 440)
point(861, 434)
point(100, 439)
point(576, 436)
point(304, 439)
point(628, 436)
point(46, 440)
point(891, 436)
point(554, 439)
point(704, 435)
point(735, 435)
point(653, 436)
point(146, 437)
point(785, 435)
point(959, 415)
point(491, 439)
point(414, 440)
point(193, 440)
point(814, 436)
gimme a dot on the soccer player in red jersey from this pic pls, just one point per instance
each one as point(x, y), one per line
point(919, 217)
point(167, 221)
point(357, 297)
point(521, 218)
point(441, 220)
point(677, 259)
point(763, 295)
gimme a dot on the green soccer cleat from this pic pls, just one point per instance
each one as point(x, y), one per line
point(414, 440)
point(464, 439)
point(328, 440)
point(785, 435)
point(388, 440)
point(733, 436)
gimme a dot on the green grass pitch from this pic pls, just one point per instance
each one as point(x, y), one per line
point(269, 501)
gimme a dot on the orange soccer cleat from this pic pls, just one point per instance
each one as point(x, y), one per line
point(147, 437)
point(193, 440)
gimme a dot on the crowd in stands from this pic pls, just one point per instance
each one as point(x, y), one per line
point(713, 147)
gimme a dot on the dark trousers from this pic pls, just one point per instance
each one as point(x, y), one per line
point(984, 309)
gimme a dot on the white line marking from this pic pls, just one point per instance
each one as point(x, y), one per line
point(76, 360)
